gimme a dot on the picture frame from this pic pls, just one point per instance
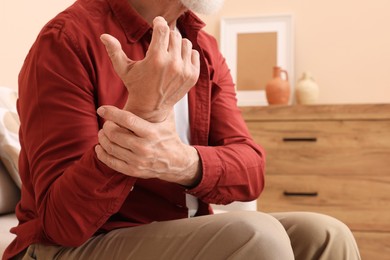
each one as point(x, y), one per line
point(278, 26)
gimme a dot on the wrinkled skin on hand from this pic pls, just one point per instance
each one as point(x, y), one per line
point(156, 83)
point(141, 149)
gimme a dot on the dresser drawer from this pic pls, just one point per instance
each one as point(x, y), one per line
point(373, 245)
point(362, 202)
point(331, 159)
point(325, 147)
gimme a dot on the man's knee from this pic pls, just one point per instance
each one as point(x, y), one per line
point(250, 223)
point(257, 234)
point(319, 228)
point(316, 235)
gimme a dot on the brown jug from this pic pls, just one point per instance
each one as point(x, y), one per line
point(278, 90)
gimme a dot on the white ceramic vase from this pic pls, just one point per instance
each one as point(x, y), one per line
point(306, 90)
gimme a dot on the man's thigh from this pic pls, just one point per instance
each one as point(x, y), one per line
point(234, 235)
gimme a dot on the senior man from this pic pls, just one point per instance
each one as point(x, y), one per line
point(129, 129)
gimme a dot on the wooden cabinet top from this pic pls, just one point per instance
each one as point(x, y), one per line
point(317, 112)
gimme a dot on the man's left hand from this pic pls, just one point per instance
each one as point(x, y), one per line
point(141, 149)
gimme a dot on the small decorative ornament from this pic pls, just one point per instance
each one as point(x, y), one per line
point(278, 89)
point(306, 90)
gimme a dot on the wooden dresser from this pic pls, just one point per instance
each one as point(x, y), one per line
point(332, 159)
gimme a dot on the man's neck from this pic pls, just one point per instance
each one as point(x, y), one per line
point(171, 10)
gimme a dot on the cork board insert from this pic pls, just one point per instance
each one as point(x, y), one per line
point(256, 56)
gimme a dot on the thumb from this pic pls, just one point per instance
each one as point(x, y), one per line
point(124, 119)
point(118, 58)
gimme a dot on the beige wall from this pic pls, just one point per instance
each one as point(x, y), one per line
point(345, 44)
point(20, 22)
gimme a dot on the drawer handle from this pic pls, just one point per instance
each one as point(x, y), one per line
point(300, 139)
point(300, 194)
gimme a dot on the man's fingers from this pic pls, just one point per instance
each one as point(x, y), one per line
point(186, 50)
point(175, 44)
point(195, 59)
point(125, 119)
point(111, 161)
point(114, 148)
point(160, 36)
point(119, 59)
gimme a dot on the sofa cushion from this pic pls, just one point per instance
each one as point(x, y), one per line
point(6, 223)
point(9, 127)
point(9, 192)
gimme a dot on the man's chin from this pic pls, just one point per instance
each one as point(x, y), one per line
point(203, 6)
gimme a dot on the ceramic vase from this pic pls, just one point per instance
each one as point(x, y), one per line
point(306, 90)
point(278, 88)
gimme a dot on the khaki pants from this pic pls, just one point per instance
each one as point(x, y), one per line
point(233, 235)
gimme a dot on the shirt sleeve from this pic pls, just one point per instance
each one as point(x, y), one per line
point(232, 163)
point(74, 192)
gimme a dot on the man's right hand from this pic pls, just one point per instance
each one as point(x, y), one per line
point(156, 83)
point(141, 149)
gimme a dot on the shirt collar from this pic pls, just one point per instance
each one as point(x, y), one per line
point(135, 27)
point(131, 22)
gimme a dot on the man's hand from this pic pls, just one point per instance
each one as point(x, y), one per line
point(156, 83)
point(138, 148)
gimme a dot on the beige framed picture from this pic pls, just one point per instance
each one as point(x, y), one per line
point(252, 46)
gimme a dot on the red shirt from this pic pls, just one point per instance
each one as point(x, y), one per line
point(68, 195)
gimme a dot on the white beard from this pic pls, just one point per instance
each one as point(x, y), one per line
point(203, 6)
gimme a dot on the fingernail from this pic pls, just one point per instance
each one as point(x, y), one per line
point(101, 111)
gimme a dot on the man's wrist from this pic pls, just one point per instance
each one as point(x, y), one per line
point(153, 116)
